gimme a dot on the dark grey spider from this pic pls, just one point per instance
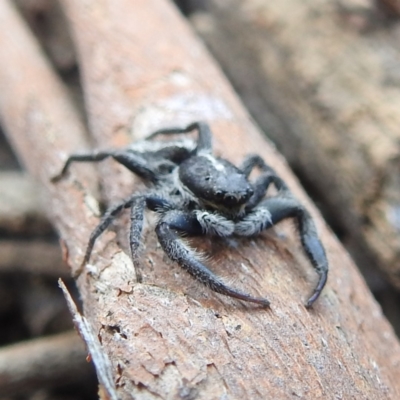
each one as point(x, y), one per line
point(196, 193)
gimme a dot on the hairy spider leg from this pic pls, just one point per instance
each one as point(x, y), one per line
point(204, 141)
point(275, 209)
point(130, 159)
point(260, 187)
point(169, 229)
point(254, 160)
point(104, 223)
point(137, 214)
point(262, 183)
point(137, 162)
point(138, 205)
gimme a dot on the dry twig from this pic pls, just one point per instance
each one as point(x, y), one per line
point(21, 208)
point(45, 362)
point(32, 256)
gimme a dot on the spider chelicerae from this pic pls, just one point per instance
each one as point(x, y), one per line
point(196, 193)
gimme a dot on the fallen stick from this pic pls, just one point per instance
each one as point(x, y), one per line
point(32, 256)
point(168, 336)
point(22, 210)
point(43, 363)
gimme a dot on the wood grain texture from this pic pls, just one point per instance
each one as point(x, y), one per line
point(321, 79)
point(168, 337)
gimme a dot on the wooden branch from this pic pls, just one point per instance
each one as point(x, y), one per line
point(33, 256)
point(168, 336)
point(98, 356)
point(46, 19)
point(321, 90)
point(21, 208)
point(45, 362)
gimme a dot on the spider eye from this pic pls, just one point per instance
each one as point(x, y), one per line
point(219, 194)
point(207, 178)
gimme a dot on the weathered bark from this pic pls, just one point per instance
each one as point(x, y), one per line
point(322, 81)
point(168, 337)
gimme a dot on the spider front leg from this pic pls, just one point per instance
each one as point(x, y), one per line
point(252, 161)
point(275, 209)
point(135, 162)
point(169, 229)
point(204, 141)
point(263, 182)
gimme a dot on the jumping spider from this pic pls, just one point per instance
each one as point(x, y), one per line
point(196, 193)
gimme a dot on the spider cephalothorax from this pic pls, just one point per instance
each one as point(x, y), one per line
point(196, 193)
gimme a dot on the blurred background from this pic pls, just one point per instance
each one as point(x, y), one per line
point(329, 104)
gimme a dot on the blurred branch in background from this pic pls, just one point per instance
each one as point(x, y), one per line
point(40, 358)
point(22, 210)
point(49, 362)
point(145, 69)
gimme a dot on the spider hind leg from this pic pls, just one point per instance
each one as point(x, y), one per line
point(104, 223)
point(138, 205)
